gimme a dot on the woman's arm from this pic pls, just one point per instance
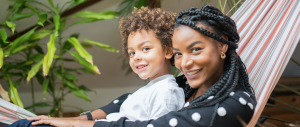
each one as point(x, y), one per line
point(197, 117)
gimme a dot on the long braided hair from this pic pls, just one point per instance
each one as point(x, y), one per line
point(235, 74)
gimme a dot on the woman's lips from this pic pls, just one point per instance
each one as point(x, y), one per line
point(141, 67)
point(192, 74)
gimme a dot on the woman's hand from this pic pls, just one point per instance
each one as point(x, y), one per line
point(56, 122)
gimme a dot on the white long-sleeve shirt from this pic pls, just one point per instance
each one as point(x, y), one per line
point(157, 98)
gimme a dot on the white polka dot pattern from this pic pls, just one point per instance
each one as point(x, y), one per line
point(115, 101)
point(247, 93)
point(250, 105)
point(231, 94)
point(173, 122)
point(242, 101)
point(210, 97)
point(221, 111)
point(186, 104)
point(150, 125)
point(196, 116)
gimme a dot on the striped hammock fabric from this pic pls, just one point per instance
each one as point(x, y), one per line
point(10, 113)
point(269, 31)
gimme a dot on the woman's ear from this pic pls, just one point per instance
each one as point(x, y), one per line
point(168, 52)
point(223, 47)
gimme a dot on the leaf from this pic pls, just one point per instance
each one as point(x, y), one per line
point(126, 7)
point(81, 94)
point(11, 25)
point(21, 40)
point(3, 34)
point(45, 87)
point(295, 61)
point(82, 52)
point(30, 7)
point(36, 57)
point(48, 58)
point(85, 20)
point(39, 49)
point(18, 16)
point(18, 49)
point(62, 24)
point(103, 46)
point(79, 1)
point(40, 34)
point(17, 83)
point(82, 87)
point(71, 85)
point(42, 18)
point(56, 19)
point(40, 104)
point(86, 45)
point(70, 76)
point(51, 3)
point(87, 71)
point(1, 58)
point(34, 69)
point(14, 95)
point(67, 45)
point(85, 63)
point(291, 89)
point(100, 15)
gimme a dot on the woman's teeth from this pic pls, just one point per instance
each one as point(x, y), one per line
point(193, 72)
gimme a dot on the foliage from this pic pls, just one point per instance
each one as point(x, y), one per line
point(24, 58)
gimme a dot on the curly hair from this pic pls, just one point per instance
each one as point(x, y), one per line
point(161, 22)
point(235, 73)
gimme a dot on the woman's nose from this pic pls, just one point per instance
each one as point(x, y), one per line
point(186, 61)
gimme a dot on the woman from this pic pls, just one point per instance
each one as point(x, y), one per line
point(217, 91)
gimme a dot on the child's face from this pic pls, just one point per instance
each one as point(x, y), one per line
point(147, 57)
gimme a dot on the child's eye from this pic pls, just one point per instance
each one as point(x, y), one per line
point(195, 50)
point(177, 54)
point(131, 53)
point(145, 49)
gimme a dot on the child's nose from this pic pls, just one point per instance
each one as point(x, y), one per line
point(137, 57)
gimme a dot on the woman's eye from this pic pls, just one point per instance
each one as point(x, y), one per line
point(195, 50)
point(145, 49)
point(131, 53)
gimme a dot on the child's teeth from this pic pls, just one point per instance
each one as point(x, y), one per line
point(141, 66)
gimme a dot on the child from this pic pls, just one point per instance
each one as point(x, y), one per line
point(147, 42)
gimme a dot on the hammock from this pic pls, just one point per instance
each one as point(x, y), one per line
point(269, 31)
point(10, 113)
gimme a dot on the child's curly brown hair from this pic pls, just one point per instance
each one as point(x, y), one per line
point(161, 22)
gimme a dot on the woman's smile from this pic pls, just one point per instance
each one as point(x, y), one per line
point(192, 73)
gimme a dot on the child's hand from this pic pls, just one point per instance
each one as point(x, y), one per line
point(56, 122)
point(41, 117)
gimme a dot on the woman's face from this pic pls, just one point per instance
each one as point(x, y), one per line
point(198, 56)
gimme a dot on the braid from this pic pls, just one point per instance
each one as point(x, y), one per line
point(235, 74)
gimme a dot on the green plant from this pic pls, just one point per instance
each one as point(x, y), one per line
point(48, 67)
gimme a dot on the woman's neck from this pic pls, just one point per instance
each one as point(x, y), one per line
point(200, 91)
